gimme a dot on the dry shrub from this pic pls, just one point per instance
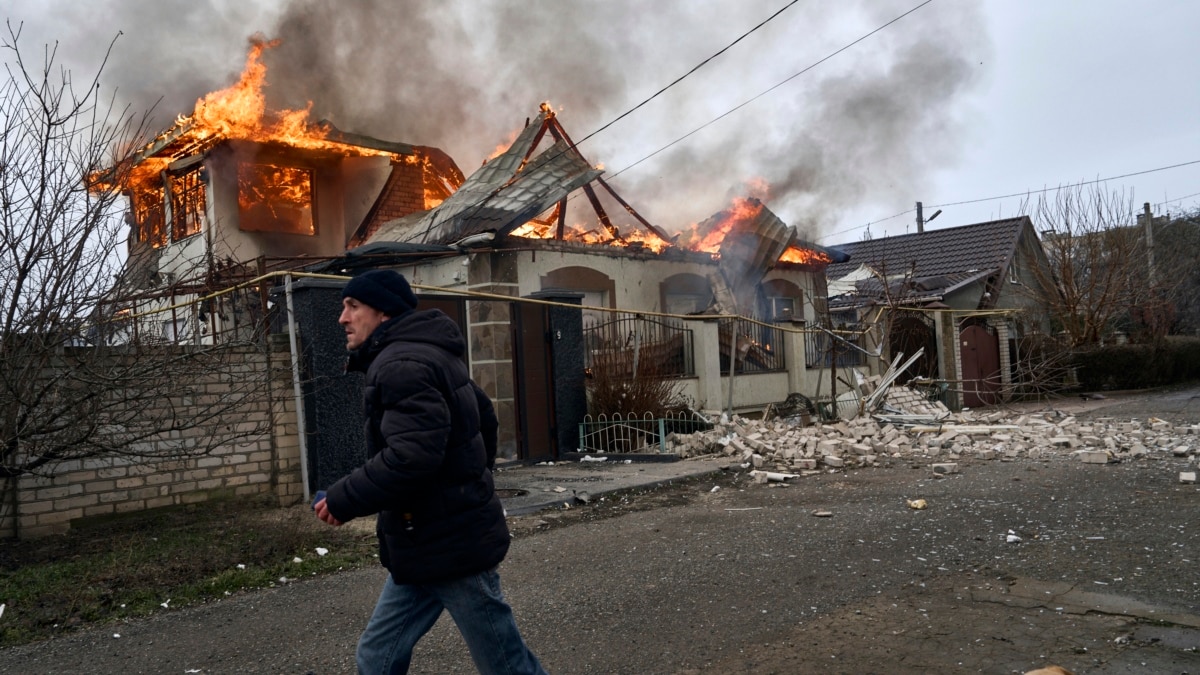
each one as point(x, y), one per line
point(620, 383)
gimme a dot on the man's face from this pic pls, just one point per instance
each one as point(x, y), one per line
point(359, 320)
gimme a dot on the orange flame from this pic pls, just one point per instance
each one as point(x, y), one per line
point(502, 147)
point(239, 112)
point(805, 256)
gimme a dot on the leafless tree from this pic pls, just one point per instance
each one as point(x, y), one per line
point(64, 395)
point(1099, 267)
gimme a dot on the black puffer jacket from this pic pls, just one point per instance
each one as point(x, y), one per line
point(431, 442)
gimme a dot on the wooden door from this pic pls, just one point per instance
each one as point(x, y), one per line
point(533, 377)
point(980, 351)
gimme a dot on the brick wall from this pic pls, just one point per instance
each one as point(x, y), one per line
point(404, 193)
point(266, 462)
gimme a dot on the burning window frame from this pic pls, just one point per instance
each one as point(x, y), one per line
point(305, 225)
point(149, 214)
point(189, 202)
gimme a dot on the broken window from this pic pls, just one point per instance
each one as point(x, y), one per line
point(149, 216)
point(273, 198)
point(188, 203)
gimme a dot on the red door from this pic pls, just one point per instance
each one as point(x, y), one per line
point(980, 351)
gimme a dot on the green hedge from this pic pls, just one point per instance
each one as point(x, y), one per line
point(1138, 366)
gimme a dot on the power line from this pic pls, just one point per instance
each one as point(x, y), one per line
point(575, 145)
point(1027, 193)
point(694, 69)
point(770, 89)
point(1087, 182)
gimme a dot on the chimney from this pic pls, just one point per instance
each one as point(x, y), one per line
point(920, 219)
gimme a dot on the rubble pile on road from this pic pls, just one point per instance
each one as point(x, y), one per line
point(783, 445)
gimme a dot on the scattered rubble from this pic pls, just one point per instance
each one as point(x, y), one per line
point(906, 425)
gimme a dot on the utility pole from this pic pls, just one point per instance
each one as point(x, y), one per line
point(1149, 223)
point(921, 217)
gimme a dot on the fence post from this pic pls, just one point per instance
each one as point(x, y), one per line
point(795, 358)
point(708, 364)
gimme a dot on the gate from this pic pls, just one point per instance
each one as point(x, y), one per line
point(980, 351)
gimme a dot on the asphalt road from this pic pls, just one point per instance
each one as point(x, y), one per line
point(746, 579)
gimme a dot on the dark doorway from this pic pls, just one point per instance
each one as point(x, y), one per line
point(909, 333)
point(533, 377)
point(980, 351)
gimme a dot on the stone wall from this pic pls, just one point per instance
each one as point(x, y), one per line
point(264, 462)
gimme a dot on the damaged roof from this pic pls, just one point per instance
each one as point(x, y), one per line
point(937, 261)
point(502, 195)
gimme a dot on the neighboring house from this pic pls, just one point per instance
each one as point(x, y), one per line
point(967, 294)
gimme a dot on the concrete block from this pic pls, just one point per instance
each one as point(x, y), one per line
point(945, 468)
point(1093, 457)
point(833, 461)
point(1187, 477)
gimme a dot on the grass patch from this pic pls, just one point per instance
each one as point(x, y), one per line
point(160, 560)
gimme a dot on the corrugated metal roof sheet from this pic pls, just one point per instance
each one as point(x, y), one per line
point(501, 196)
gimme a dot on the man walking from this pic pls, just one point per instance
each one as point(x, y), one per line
point(431, 444)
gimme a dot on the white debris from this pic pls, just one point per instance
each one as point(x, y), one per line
point(909, 429)
point(322, 551)
point(297, 559)
point(592, 458)
point(1012, 537)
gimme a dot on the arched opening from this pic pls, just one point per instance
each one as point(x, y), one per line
point(780, 300)
point(685, 294)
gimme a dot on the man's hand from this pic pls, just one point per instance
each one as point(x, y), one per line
point(323, 513)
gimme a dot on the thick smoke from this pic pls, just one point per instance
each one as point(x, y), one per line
point(865, 128)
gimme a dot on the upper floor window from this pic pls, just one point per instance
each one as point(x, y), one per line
point(148, 214)
point(188, 203)
point(274, 198)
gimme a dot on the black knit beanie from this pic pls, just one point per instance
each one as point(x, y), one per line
point(385, 290)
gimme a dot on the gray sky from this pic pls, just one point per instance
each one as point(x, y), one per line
point(960, 100)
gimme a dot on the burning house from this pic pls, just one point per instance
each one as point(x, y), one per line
point(234, 190)
point(539, 220)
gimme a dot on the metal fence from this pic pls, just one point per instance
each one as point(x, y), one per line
point(632, 433)
point(759, 348)
point(633, 342)
point(819, 349)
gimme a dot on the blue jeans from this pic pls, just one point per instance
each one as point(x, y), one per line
point(405, 612)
